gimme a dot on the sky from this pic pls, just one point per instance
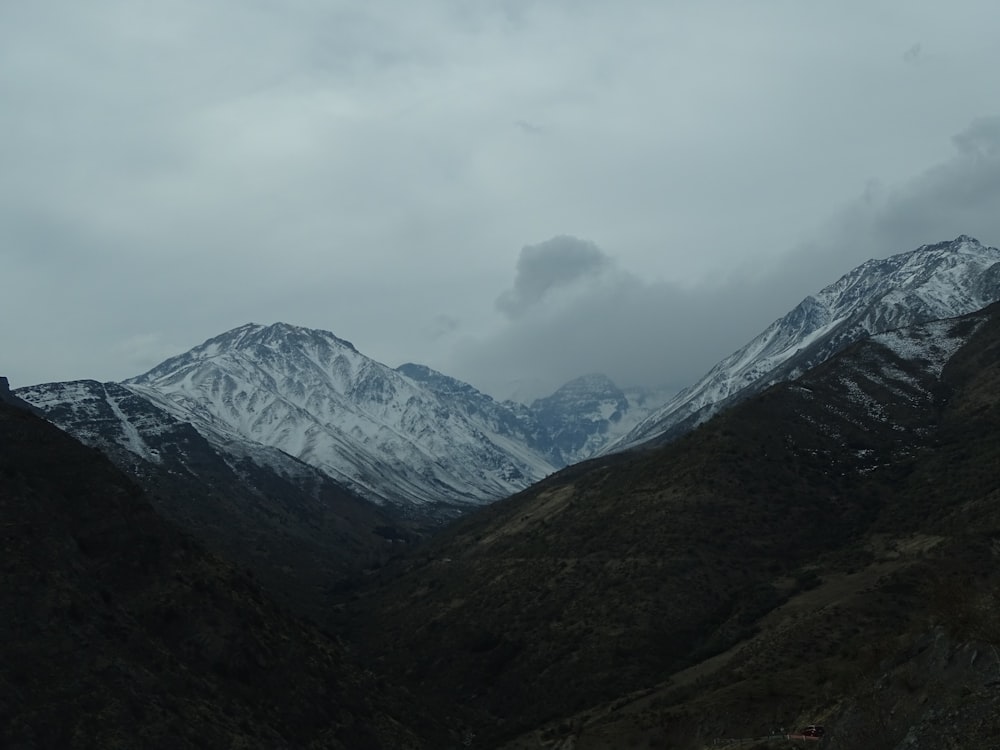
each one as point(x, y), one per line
point(513, 192)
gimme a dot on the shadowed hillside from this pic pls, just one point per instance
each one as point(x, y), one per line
point(301, 533)
point(119, 632)
point(824, 552)
point(830, 539)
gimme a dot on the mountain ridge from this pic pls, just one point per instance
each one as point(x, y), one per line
point(934, 281)
point(435, 447)
point(823, 548)
point(316, 397)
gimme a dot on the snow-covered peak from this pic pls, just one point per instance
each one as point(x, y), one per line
point(318, 398)
point(267, 347)
point(939, 275)
point(933, 282)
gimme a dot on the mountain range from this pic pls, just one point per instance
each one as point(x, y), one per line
point(285, 398)
point(418, 441)
point(816, 545)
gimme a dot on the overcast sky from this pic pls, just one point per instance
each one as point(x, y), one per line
point(512, 192)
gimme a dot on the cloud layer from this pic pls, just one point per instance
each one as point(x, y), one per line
point(547, 266)
point(662, 333)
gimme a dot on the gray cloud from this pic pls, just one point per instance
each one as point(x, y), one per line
point(956, 196)
point(443, 326)
point(653, 332)
point(529, 128)
point(555, 263)
point(981, 139)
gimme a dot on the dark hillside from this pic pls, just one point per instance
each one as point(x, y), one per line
point(118, 631)
point(301, 533)
point(799, 539)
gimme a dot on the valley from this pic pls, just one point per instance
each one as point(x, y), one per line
point(274, 541)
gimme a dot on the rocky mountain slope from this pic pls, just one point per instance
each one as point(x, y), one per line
point(570, 425)
point(822, 552)
point(589, 412)
point(932, 282)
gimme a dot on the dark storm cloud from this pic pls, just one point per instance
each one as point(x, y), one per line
point(548, 265)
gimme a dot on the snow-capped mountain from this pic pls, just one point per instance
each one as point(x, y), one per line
point(588, 412)
point(570, 425)
point(317, 398)
point(933, 282)
point(297, 403)
point(510, 418)
point(286, 399)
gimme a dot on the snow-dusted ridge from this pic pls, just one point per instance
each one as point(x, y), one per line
point(288, 398)
point(933, 343)
point(315, 397)
point(933, 282)
point(296, 400)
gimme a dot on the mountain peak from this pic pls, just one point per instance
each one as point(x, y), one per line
point(961, 241)
point(383, 433)
point(251, 334)
point(933, 282)
point(256, 342)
